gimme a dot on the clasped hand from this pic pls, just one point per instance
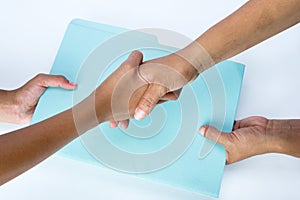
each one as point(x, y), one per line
point(133, 90)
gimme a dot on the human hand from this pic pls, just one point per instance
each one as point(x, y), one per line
point(117, 96)
point(25, 98)
point(165, 77)
point(249, 137)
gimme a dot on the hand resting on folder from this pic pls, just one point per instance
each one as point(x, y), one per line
point(22, 149)
point(257, 135)
point(17, 106)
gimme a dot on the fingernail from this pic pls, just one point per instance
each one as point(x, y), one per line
point(72, 83)
point(139, 114)
point(123, 127)
point(202, 131)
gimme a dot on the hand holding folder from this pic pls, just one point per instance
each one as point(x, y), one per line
point(165, 147)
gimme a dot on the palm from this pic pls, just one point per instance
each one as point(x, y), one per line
point(27, 96)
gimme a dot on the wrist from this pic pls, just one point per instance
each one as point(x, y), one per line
point(87, 114)
point(9, 107)
point(274, 143)
point(286, 136)
point(182, 65)
point(178, 70)
point(196, 56)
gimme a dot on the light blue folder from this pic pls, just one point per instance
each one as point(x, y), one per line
point(211, 99)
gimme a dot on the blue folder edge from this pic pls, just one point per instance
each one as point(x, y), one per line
point(69, 55)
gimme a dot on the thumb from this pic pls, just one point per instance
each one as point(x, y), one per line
point(213, 134)
point(46, 80)
point(133, 60)
point(149, 99)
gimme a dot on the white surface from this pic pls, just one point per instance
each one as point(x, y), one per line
point(30, 34)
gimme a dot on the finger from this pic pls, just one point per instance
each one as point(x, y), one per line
point(177, 92)
point(113, 124)
point(236, 125)
point(124, 124)
point(213, 134)
point(161, 101)
point(170, 96)
point(47, 80)
point(149, 99)
point(133, 60)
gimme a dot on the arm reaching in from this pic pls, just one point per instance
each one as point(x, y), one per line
point(22, 149)
point(257, 135)
point(251, 24)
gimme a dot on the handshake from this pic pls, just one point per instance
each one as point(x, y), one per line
point(134, 89)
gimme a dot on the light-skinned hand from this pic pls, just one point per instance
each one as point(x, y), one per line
point(22, 101)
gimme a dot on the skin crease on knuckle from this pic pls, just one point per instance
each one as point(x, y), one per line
point(127, 66)
point(41, 80)
point(39, 77)
point(148, 103)
point(62, 79)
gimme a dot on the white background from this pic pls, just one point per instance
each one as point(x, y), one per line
point(30, 34)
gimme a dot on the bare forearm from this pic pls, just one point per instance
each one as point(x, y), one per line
point(286, 136)
point(251, 24)
point(22, 149)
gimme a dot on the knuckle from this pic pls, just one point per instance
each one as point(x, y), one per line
point(61, 78)
point(39, 79)
point(127, 65)
point(39, 76)
point(160, 90)
point(148, 102)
